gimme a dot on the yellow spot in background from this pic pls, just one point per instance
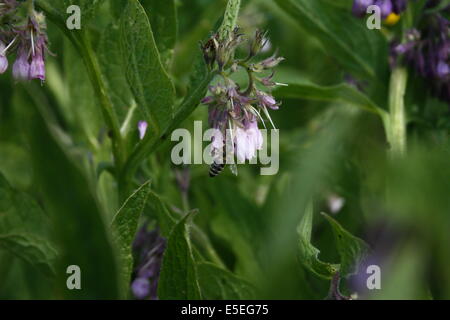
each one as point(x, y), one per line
point(392, 19)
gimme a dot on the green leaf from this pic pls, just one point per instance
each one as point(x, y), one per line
point(240, 223)
point(82, 105)
point(356, 48)
point(219, 284)
point(113, 70)
point(163, 19)
point(24, 229)
point(149, 82)
point(178, 279)
point(125, 224)
point(352, 250)
point(159, 211)
point(198, 84)
point(308, 254)
point(78, 220)
point(343, 93)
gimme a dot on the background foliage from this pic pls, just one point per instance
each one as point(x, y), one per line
point(69, 195)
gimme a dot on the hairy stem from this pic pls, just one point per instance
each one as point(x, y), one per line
point(396, 121)
point(229, 19)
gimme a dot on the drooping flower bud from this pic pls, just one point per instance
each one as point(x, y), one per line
point(248, 140)
point(21, 67)
point(209, 51)
point(258, 42)
point(267, 81)
point(37, 66)
point(268, 63)
point(266, 100)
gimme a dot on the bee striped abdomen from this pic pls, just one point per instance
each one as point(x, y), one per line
point(216, 169)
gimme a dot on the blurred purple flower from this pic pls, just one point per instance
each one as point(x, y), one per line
point(427, 51)
point(140, 288)
point(387, 7)
point(148, 248)
point(360, 7)
point(383, 239)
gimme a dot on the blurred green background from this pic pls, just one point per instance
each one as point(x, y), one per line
point(55, 155)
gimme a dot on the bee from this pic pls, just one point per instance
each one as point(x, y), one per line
point(217, 166)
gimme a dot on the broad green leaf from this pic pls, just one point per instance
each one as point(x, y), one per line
point(163, 19)
point(308, 254)
point(167, 219)
point(117, 7)
point(80, 230)
point(178, 279)
point(149, 82)
point(113, 70)
point(237, 221)
point(355, 47)
point(352, 250)
point(125, 224)
point(312, 165)
point(87, 118)
point(217, 283)
point(342, 93)
point(24, 229)
point(159, 211)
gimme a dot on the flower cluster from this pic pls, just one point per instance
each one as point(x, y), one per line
point(25, 35)
point(232, 108)
point(387, 7)
point(148, 247)
point(427, 50)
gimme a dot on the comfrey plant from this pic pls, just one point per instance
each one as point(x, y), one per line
point(23, 32)
point(234, 111)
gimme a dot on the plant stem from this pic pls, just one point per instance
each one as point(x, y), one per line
point(395, 123)
point(229, 19)
point(107, 110)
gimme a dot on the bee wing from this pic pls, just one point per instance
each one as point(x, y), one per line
point(233, 168)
